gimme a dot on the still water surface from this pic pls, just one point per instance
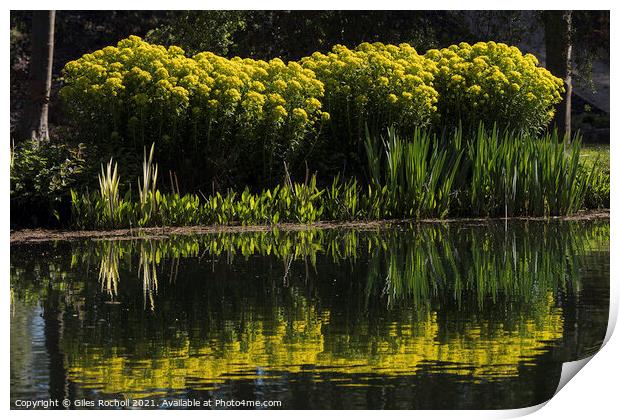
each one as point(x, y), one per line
point(412, 316)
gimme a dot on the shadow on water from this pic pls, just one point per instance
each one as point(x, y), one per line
point(413, 316)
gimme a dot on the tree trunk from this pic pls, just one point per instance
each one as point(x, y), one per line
point(34, 117)
point(558, 47)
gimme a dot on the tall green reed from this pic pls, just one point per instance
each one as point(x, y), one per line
point(523, 175)
point(148, 188)
point(108, 188)
point(419, 173)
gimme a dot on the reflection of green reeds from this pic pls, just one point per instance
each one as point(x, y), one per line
point(481, 263)
point(414, 263)
point(480, 300)
point(149, 258)
point(108, 269)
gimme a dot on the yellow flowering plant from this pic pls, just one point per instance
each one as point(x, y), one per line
point(373, 85)
point(206, 105)
point(240, 119)
point(387, 83)
point(493, 83)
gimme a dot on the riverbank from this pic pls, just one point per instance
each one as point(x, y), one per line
point(44, 235)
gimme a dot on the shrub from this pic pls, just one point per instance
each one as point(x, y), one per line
point(376, 85)
point(494, 83)
point(42, 175)
point(230, 113)
point(240, 120)
point(387, 83)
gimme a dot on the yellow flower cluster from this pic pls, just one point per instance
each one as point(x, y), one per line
point(270, 110)
point(389, 83)
point(150, 84)
point(494, 82)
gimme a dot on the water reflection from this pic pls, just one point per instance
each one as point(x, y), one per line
point(108, 269)
point(407, 262)
point(465, 305)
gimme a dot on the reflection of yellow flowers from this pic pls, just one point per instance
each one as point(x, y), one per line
point(290, 343)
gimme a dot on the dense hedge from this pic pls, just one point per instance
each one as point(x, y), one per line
point(239, 120)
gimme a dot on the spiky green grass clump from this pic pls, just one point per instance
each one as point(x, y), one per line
point(488, 174)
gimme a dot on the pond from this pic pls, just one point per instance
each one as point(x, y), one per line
point(425, 316)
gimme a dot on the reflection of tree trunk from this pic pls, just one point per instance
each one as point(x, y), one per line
point(52, 316)
point(558, 47)
point(34, 118)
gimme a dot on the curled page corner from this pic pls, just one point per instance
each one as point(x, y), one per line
point(613, 313)
point(569, 370)
point(519, 412)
